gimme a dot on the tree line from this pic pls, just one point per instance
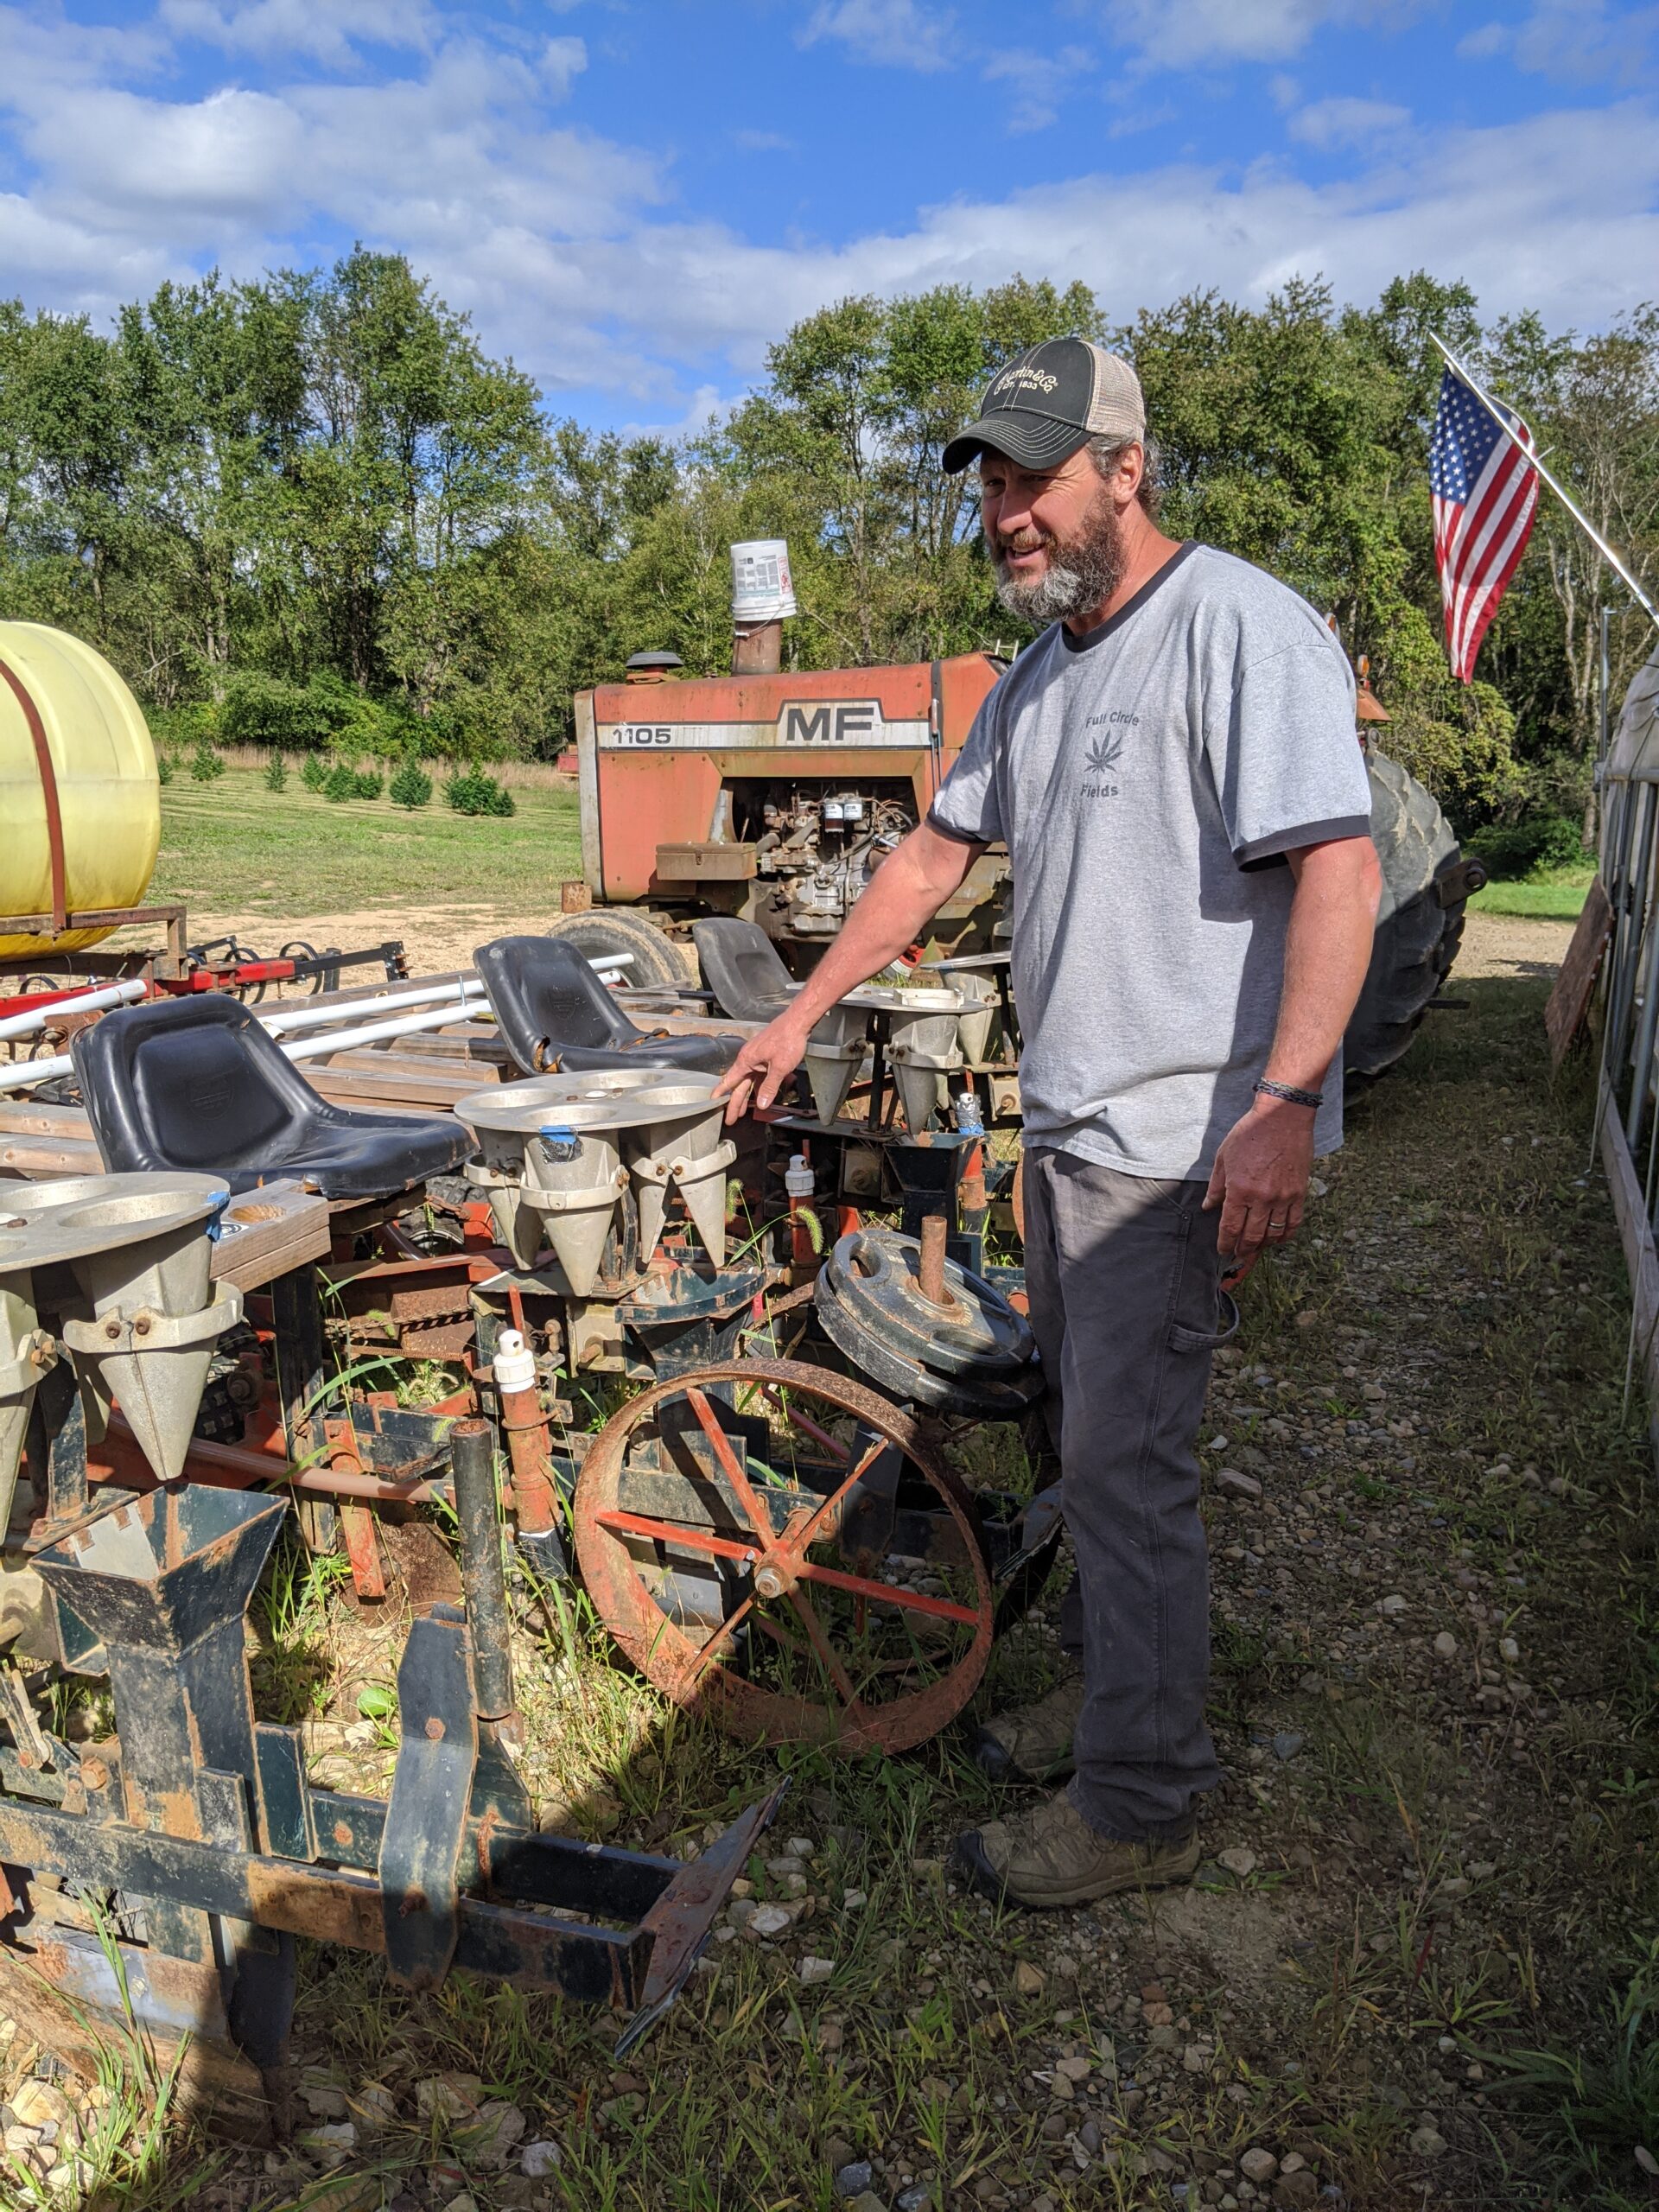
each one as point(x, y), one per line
point(312, 511)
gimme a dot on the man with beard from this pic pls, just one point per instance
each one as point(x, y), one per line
point(1173, 770)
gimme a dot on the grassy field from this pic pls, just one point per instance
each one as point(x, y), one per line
point(1416, 1969)
point(233, 847)
point(1548, 895)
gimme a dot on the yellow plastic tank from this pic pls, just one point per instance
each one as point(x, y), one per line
point(103, 765)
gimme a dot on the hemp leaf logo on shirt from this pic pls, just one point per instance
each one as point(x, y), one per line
point(1102, 758)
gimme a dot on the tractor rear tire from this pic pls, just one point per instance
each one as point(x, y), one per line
point(654, 958)
point(1417, 938)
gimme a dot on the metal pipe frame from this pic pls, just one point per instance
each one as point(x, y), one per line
point(315, 1015)
point(472, 1459)
point(30, 1025)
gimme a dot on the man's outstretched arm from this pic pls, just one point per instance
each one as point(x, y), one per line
point(1260, 1180)
point(899, 900)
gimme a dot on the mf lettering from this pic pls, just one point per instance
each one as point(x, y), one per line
point(853, 722)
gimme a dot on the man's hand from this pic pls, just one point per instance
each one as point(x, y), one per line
point(1260, 1180)
point(757, 1073)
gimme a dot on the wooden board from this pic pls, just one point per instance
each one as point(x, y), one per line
point(267, 1231)
point(38, 1157)
point(353, 1082)
point(271, 1230)
point(1569, 1001)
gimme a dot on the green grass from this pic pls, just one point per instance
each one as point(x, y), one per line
point(234, 847)
point(1552, 894)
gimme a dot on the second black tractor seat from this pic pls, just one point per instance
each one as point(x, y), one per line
point(555, 1015)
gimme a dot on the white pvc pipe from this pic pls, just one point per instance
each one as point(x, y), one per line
point(23, 1075)
point(315, 1015)
point(27, 1024)
point(399, 1024)
point(470, 987)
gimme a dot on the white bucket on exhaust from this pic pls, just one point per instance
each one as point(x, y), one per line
point(762, 590)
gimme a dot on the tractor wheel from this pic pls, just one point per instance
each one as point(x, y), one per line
point(1417, 935)
point(778, 1547)
point(654, 956)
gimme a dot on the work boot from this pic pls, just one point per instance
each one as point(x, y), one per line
point(1033, 1743)
point(1051, 1856)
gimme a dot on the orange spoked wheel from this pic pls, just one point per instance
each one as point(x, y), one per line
point(777, 1546)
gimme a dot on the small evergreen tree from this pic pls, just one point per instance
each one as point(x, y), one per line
point(341, 783)
point(411, 787)
point(471, 791)
point(314, 773)
point(164, 767)
point(277, 772)
point(368, 782)
point(205, 762)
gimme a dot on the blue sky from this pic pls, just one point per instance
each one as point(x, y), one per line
point(632, 197)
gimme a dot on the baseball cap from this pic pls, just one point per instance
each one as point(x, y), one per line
point(1050, 401)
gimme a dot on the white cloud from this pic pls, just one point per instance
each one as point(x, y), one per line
point(563, 245)
point(1040, 81)
point(1577, 40)
point(762, 141)
point(708, 404)
point(1209, 33)
point(1480, 45)
point(329, 31)
point(1557, 211)
point(1333, 122)
point(895, 34)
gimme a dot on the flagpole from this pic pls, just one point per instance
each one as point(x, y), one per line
point(1578, 515)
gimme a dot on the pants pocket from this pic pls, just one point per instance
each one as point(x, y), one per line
point(1181, 1338)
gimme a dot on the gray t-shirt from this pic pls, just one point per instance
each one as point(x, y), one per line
point(1145, 779)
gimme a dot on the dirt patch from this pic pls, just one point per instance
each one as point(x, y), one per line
point(435, 938)
point(1509, 946)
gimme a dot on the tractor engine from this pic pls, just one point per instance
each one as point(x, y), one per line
point(815, 849)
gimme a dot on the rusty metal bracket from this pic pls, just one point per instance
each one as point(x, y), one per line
point(215, 1852)
point(675, 1929)
point(431, 1791)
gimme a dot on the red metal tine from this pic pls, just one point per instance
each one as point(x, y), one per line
point(827, 1653)
point(760, 1519)
point(914, 1601)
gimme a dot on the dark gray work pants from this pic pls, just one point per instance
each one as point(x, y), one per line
point(1121, 1271)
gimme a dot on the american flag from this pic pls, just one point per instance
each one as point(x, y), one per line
point(1485, 493)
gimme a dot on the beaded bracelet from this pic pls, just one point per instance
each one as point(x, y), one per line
point(1288, 1090)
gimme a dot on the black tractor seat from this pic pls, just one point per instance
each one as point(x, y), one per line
point(554, 1013)
point(198, 1083)
point(741, 967)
